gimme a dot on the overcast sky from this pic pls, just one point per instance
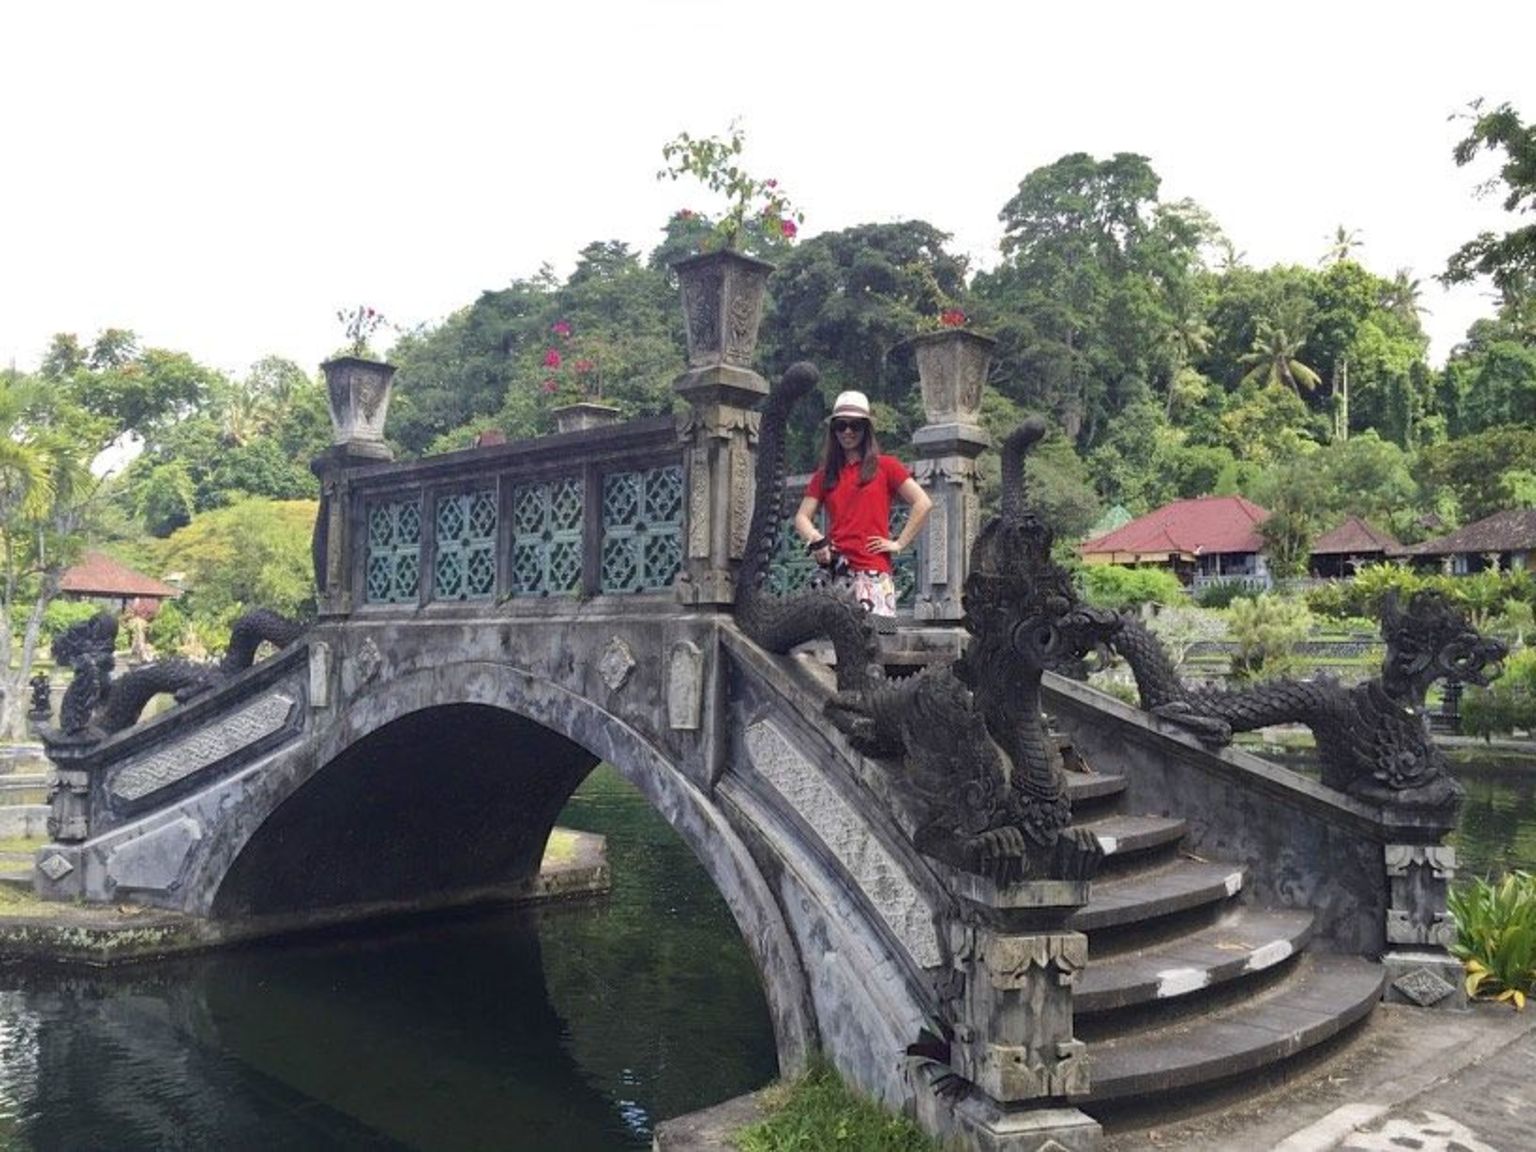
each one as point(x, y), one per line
point(221, 178)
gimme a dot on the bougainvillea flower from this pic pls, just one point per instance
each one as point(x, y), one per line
point(770, 183)
point(561, 327)
point(584, 366)
point(787, 228)
point(550, 386)
point(952, 318)
point(552, 358)
point(685, 213)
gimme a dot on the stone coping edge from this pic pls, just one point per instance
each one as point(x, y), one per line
point(99, 937)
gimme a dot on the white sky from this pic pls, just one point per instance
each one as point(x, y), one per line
point(223, 178)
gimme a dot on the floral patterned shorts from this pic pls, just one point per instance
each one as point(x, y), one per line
point(875, 590)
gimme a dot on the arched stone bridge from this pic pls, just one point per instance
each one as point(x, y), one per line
point(495, 622)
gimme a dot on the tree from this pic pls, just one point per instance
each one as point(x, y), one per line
point(1274, 358)
point(46, 445)
point(1341, 245)
point(1508, 260)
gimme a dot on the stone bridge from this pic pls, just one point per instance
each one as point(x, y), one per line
point(496, 621)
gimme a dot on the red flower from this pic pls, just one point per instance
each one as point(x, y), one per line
point(685, 213)
point(584, 366)
point(561, 327)
point(552, 358)
point(952, 318)
point(770, 183)
point(787, 228)
point(550, 386)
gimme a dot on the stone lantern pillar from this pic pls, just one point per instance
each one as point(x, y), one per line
point(722, 305)
point(952, 368)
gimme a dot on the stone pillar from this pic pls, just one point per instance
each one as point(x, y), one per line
point(952, 371)
point(1419, 929)
point(331, 543)
point(720, 449)
point(946, 468)
point(722, 305)
point(1016, 962)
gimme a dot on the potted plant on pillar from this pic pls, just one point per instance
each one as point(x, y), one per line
point(357, 386)
point(952, 364)
point(722, 287)
point(573, 367)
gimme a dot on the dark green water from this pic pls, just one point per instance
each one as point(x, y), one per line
point(569, 1028)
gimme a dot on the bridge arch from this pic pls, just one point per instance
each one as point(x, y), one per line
point(564, 731)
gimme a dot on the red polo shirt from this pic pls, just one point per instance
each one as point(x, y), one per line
point(855, 511)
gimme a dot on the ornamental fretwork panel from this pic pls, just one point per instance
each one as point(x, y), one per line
point(642, 529)
point(546, 537)
point(393, 566)
point(464, 540)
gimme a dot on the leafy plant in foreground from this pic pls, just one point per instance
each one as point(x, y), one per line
point(1496, 936)
point(820, 1112)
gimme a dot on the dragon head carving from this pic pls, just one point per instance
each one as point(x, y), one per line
point(1432, 640)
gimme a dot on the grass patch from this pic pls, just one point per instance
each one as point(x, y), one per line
point(561, 848)
point(15, 902)
point(22, 843)
point(819, 1112)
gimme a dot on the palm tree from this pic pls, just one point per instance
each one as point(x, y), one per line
point(1187, 337)
point(1401, 296)
point(1274, 361)
point(1341, 245)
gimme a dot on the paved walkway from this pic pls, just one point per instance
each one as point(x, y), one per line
point(1411, 1080)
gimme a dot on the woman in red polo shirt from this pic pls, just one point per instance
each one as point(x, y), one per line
point(856, 484)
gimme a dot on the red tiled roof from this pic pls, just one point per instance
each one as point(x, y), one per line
point(1188, 527)
point(1354, 537)
point(1511, 531)
point(99, 575)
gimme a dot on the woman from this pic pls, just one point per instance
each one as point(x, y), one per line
point(856, 484)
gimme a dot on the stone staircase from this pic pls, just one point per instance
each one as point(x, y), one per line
point(1189, 986)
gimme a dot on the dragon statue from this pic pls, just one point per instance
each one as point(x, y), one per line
point(974, 750)
point(781, 623)
point(1372, 739)
point(95, 703)
point(87, 647)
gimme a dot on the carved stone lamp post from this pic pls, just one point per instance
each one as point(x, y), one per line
point(357, 390)
point(722, 306)
point(952, 367)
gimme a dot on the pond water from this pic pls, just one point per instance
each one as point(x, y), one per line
point(574, 1027)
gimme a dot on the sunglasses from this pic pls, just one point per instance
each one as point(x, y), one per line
point(845, 425)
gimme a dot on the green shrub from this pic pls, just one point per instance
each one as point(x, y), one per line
point(1113, 586)
point(1496, 936)
point(1266, 631)
point(819, 1112)
point(1222, 595)
point(61, 615)
point(1507, 703)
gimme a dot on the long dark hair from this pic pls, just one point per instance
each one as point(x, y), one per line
point(832, 456)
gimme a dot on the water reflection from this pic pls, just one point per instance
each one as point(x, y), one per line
point(572, 1028)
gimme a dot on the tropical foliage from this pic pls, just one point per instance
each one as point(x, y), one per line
point(1496, 936)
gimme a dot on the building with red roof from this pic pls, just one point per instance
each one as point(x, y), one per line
point(99, 579)
point(1205, 540)
point(1505, 540)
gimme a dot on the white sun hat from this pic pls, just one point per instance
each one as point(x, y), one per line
point(852, 404)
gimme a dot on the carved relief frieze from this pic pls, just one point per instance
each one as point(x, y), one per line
point(698, 504)
point(1012, 962)
point(741, 499)
point(936, 542)
point(181, 758)
point(617, 662)
point(685, 686)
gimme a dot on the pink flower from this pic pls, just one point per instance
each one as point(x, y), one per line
point(952, 318)
point(787, 228)
point(550, 386)
point(561, 327)
point(770, 183)
point(685, 214)
point(584, 366)
point(552, 358)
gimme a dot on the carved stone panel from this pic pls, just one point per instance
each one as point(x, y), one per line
point(847, 836)
point(698, 504)
point(155, 860)
point(192, 753)
point(616, 664)
point(685, 686)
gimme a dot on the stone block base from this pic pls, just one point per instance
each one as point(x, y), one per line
point(985, 1127)
point(1428, 979)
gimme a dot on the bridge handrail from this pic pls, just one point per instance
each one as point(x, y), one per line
point(581, 514)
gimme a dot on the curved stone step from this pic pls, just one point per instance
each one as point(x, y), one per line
point(1243, 943)
point(1125, 839)
point(1143, 897)
point(1323, 996)
point(1085, 786)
